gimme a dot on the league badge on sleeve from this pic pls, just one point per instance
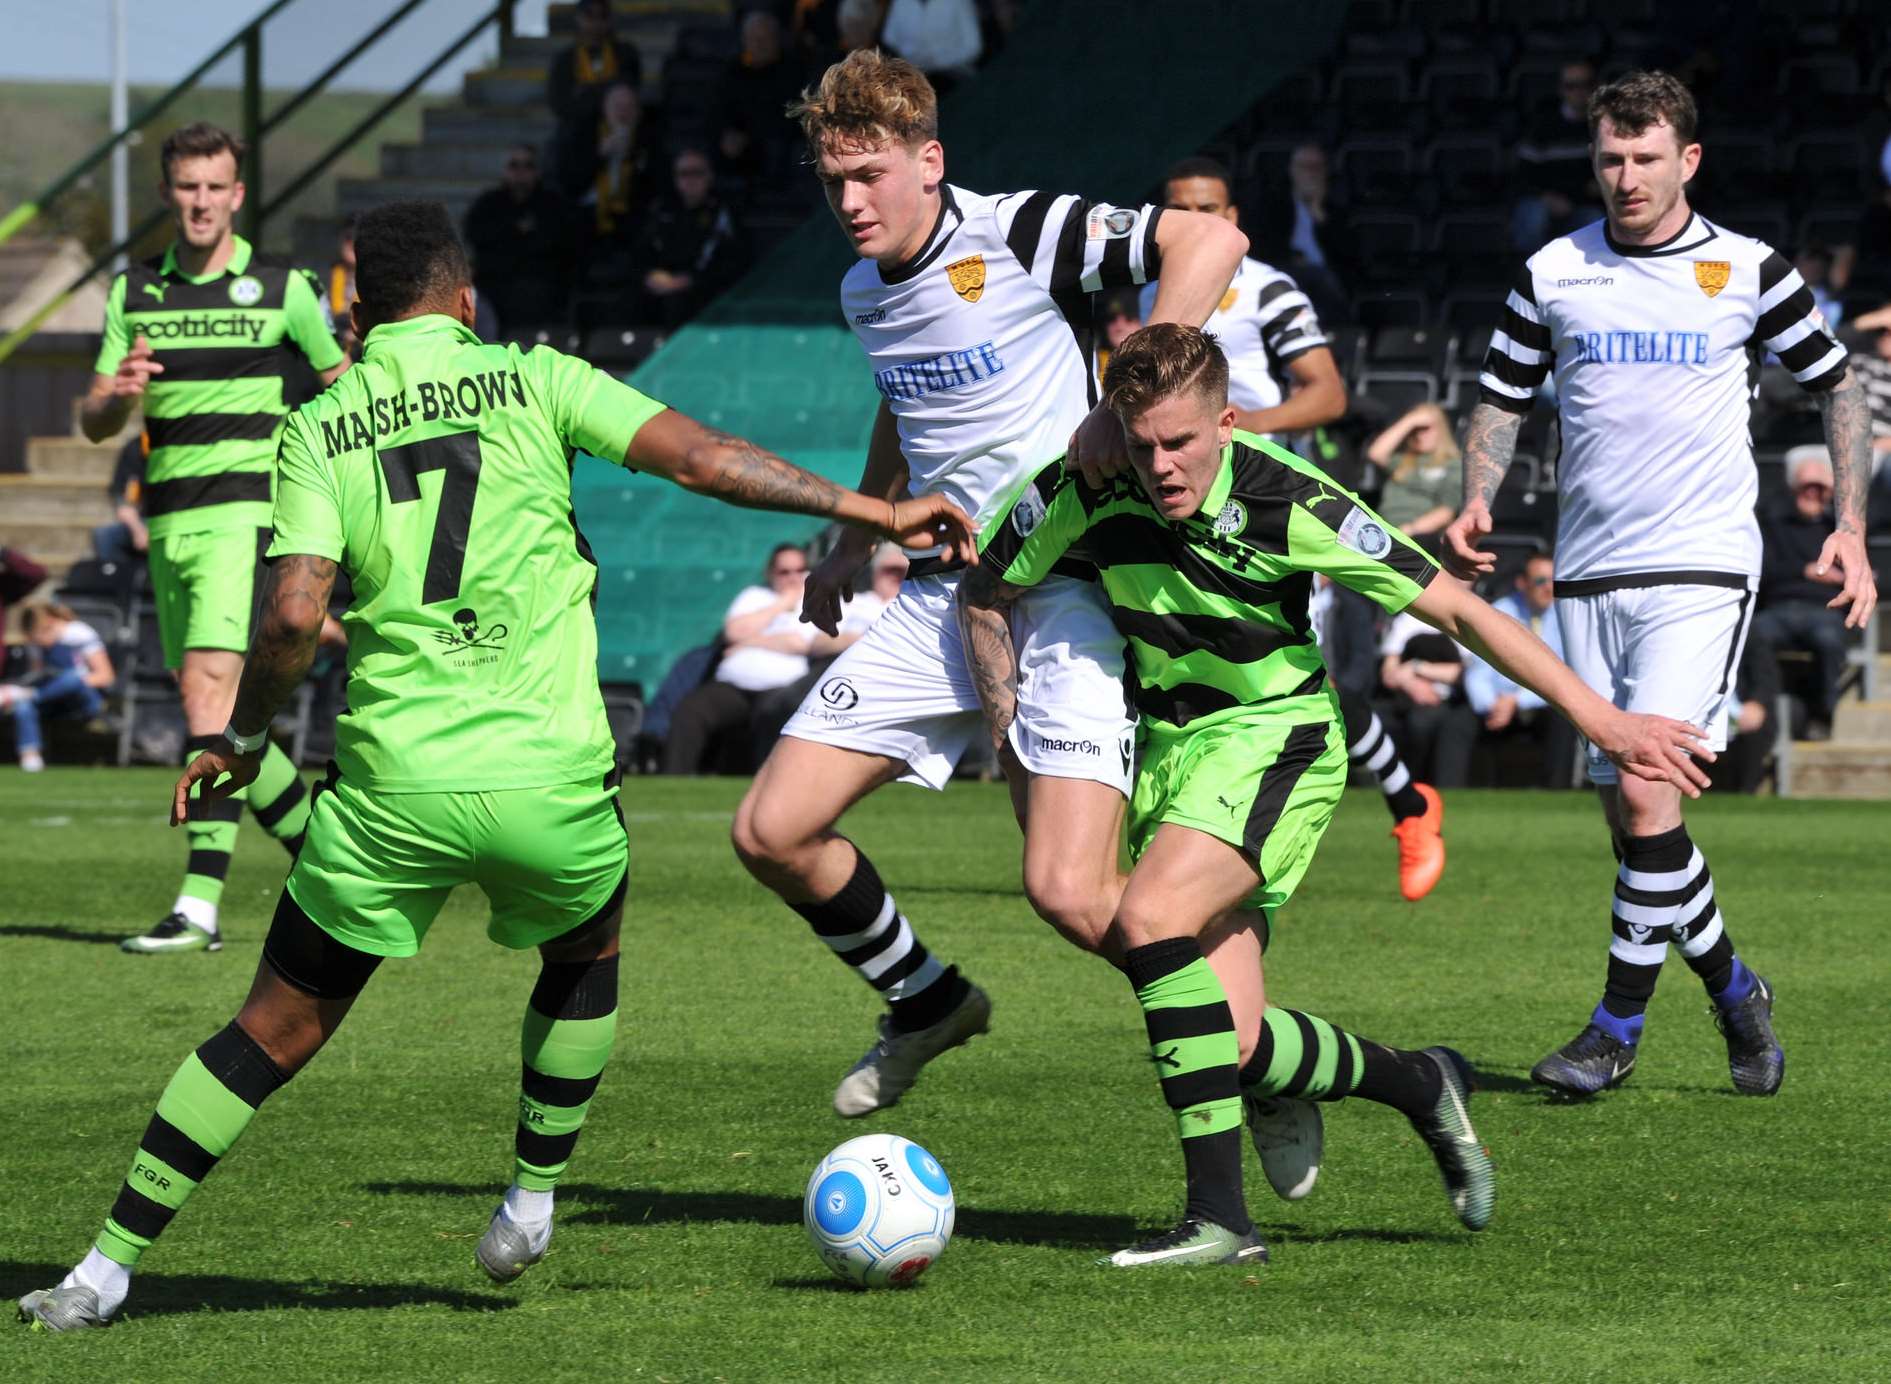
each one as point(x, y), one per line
point(1364, 534)
point(1028, 513)
point(1712, 275)
point(1108, 223)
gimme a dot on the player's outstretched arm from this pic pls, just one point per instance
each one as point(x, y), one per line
point(1490, 441)
point(1846, 410)
point(294, 608)
point(738, 472)
point(1649, 747)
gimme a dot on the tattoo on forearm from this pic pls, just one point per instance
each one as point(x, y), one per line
point(286, 636)
point(988, 647)
point(1490, 441)
point(752, 478)
point(1847, 413)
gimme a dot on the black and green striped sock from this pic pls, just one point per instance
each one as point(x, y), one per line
point(278, 800)
point(210, 833)
point(570, 1026)
point(1193, 1044)
point(1303, 1055)
point(203, 1111)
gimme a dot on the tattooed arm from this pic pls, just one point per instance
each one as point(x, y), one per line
point(1846, 410)
point(984, 603)
point(1490, 441)
point(294, 608)
point(737, 472)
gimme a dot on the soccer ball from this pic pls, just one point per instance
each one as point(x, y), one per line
point(879, 1210)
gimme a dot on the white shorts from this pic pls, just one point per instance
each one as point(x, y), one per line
point(903, 689)
point(1660, 650)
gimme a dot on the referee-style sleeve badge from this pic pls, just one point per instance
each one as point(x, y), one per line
point(1712, 275)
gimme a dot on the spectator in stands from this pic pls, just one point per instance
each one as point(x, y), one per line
point(521, 236)
point(1794, 588)
point(579, 74)
point(772, 709)
point(825, 31)
point(941, 38)
point(340, 292)
point(1507, 709)
point(1303, 229)
point(74, 672)
point(1120, 314)
point(605, 169)
point(1553, 163)
point(753, 139)
point(1424, 479)
point(692, 246)
point(125, 539)
point(765, 648)
point(1422, 672)
point(1814, 263)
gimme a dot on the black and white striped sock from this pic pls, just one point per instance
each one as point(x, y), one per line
point(1369, 746)
point(1701, 934)
point(1652, 885)
point(864, 928)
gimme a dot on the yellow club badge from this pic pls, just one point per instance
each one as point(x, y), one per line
point(1712, 275)
point(1227, 300)
point(967, 277)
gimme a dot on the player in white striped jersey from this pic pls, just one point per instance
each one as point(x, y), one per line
point(1654, 322)
point(974, 313)
point(1282, 381)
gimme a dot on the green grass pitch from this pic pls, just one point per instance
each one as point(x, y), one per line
point(1669, 1230)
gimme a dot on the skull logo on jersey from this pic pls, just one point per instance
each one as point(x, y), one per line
point(1712, 275)
point(967, 277)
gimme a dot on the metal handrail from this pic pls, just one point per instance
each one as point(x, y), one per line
point(28, 210)
point(500, 13)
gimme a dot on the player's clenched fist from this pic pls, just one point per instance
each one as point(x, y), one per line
point(135, 370)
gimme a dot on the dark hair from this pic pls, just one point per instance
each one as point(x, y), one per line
point(1636, 100)
point(1199, 166)
point(778, 550)
point(199, 141)
point(1162, 359)
point(406, 256)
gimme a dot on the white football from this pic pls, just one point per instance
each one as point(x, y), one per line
point(879, 1209)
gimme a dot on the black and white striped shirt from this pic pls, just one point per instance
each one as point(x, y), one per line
point(1262, 322)
point(1655, 352)
point(981, 344)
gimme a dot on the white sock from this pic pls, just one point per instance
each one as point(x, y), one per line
point(108, 1278)
point(197, 912)
point(528, 1209)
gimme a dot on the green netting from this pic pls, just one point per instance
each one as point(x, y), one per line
point(1092, 96)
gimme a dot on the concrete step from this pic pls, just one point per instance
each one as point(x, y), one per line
point(654, 37)
point(561, 17)
point(48, 499)
point(1863, 721)
point(503, 86)
point(72, 459)
point(55, 546)
point(469, 160)
point(529, 123)
point(1841, 769)
point(356, 195)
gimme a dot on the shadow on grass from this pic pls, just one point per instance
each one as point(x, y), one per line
point(654, 1206)
point(168, 1294)
point(1299, 1235)
point(810, 1284)
point(60, 934)
point(1483, 1079)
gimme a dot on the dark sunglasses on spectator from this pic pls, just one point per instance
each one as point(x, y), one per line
point(1541, 581)
point(1820, 486)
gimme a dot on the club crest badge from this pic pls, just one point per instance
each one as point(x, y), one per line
point(967, 277)
point(1712, 275)
point(247, 291)
point(1232, 519)
point(1227, 300)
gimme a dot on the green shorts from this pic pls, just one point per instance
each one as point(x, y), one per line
point(1267, 789)
point(205, 588)
point(376, 867)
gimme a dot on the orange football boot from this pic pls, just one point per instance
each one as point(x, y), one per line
point(1422, 846)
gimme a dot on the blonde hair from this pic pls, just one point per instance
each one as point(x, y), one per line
point(1162, 359)
point(865, 100)
point(1445, 452)
point(34, 612)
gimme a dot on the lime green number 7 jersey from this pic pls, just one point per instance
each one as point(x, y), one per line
point(437, 473)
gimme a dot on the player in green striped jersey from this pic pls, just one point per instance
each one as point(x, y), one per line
point(475, 748)
point(200, 337)
point(1206, 553)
